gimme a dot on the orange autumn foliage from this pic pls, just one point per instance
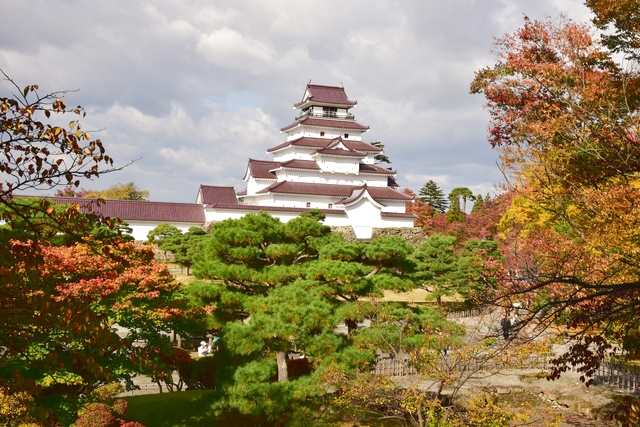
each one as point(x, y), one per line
point(564, 118)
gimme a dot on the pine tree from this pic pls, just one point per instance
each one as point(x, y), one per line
point(283, 288)
point(477, 203)
point(432, 195)
point(184, 246)
point(380, 158)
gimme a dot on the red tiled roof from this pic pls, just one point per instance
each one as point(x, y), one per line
point(261, 168)
point(360, 146)
point(341, 152)
point(397, 215)
point(212, 194)
point(355, 195)
point(387, 193)
point(287, 187)
point(327, 95)
point(366, 168)
point(276, 209)
point(135, 210)
point(337, 148)
point(339, 124)
point(335, 190)
point(300, 164)
point(306, 141)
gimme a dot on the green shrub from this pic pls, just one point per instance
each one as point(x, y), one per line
point(98, 418)
point(203, 374)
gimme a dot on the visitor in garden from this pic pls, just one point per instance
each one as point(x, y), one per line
point(204, 349)
point(506, 325)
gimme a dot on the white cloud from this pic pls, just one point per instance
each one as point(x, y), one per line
point(195, 88)
point(229, 48)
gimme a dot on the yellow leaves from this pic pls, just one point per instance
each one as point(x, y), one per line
point(524, 215)
point(15, 408)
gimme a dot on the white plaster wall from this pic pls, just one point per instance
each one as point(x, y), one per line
point(338, 164)
point(370, 159)
point(291, 153)
point(354, 135)
point(318, 177)
point(142, 228)
point(320, 202)
point(255, 185)
point(221, 214)
point(394, 206)
point(396, 222)
point(363, 216)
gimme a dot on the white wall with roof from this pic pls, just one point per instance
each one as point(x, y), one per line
point(142, 228)
point(254, 185)
point(299, 175)
point(215, 214)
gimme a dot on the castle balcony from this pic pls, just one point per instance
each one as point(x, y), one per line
point(326, 114)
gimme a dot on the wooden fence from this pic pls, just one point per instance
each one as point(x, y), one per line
point(144, 389)
point(614, 374)
point(388, 365)
point(619, 375)
point(472, 312)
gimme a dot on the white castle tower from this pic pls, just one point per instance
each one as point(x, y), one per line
point(323, 164)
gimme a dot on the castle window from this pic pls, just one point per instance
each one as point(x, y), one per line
point(329, 112)
point(330, 205)
point(308, 204)
point(321, 133)
point(346, 135)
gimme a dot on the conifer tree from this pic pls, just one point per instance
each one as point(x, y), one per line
point(380, 158)
point(432, 195)
point(184, 246)
point(477, 203)
point(284, 288)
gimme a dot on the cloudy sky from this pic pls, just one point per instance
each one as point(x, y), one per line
point(193, 88)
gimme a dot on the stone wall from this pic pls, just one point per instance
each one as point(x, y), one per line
point(346, 231)
point(208, 226)
point(414, 235)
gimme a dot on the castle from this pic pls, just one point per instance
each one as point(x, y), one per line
point(323, 164)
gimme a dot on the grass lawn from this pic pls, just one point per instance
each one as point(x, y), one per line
point(189, 409)
point(180, 409)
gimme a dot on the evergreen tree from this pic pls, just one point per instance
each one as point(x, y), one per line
point(380, 158)
point(282, 288)
point(447, 271)
point(477, 203)
point(184, 246)
point(454, 213)
point(432, 195)
point(161, 233)
point(464, 194)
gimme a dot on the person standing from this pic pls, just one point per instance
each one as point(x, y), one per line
point(505, 324)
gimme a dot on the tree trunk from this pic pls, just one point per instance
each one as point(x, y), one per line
point(352, 325)
point(283, 373)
